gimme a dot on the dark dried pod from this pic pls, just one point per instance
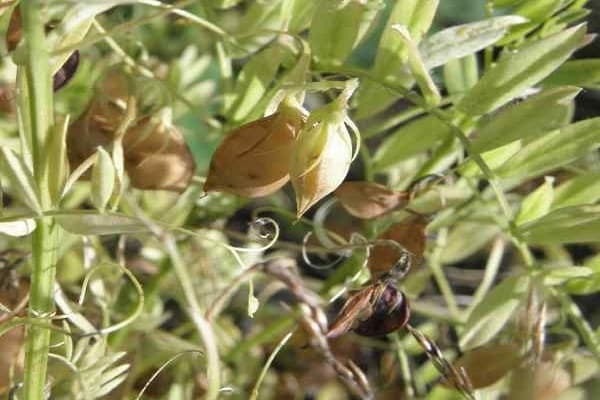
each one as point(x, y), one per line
point(66, 72)
point(390, 312)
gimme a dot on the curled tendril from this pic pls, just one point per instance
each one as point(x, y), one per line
point(162, 367)
point(307, 260)
point(138, 288)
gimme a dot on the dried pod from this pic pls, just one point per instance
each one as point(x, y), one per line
point(155, 154)
point(322, 157)
point(487, 364)
point(159, 159)
point(14, 34)
point(13, 295)
point(373, 311)
point(368, 199)
point(254, 160)
point(14, 31)
point(550, 381)
point(390, 311)
point(410, 234)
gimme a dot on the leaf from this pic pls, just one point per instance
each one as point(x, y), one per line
point(391, 57)
point(493, 312)
point(418, 68)
point(409, 140)
point(521, 69)
point(575, 224)
point(20, 178)
point(461, 74)
point(103, 180)
point(493, 158)
point(528, 120)
point(582, 189)
point(57, 157)
point(481, 370)
point(583, 73)
point(320, 162)
point(553, 150)
point(369, 200)
point(100, 224)
point(339, 27)
point(465, 239)
point(254, 159)
point(408, 234)
point(461, 40)
point(536, 204)
point(561, 275)
point(19, 228)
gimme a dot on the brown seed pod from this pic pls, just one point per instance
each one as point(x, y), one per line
point(14, 34)
point(254, 159)
point(368, 199)
point(487, 364)
point(410, 234)
point(373, 311)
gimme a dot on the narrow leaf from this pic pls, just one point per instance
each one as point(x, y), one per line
point(553, 150)
point(536, 204)
point(103, 179)
point(461, 74)
point(461, 40)
point(518, 70)
point(99, 224)
point(21, 178)
point(575, 224)
point(582, 189)
point(22, 227)
point(584, 73)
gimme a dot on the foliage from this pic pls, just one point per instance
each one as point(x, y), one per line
point(298, 198)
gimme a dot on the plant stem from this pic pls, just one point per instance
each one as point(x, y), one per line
point(45, 237)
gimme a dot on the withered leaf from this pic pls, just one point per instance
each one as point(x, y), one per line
point(14, 31)
point(368, 199)
point(487, 364)
point(322, 157)
point(410, 234)
point(254, 159)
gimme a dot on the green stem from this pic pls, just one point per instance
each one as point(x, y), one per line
point(46, 236)
point(197, 315)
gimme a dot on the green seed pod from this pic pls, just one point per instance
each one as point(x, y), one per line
point(338, 28)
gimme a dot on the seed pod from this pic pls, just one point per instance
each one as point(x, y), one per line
point(487, 364)
point(369, 200)
point(550, 381)
point(254, 159)
point(14, 34)
point(390, 312)
point(373, 311)
point(409, 234)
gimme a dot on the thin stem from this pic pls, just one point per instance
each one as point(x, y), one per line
point(202, 325)
point(45, 237)
point(439, 276)
point(491, 271)
point(265, 368)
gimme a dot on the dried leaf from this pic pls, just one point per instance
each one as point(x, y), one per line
point(487, 364)
point(321, 160)
point(254, 160)
point(410, 234)
point(14, 31)
point(369, 200)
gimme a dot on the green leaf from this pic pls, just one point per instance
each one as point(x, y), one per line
point(409, 140)
point(553, 150)
point(519, 70)
point(338, 27)
point(489, 317)
point(461, 40)
point(493, 158)
point(430, 91)
point(536, 204)
point(20, 178)
point(582, 189)
point(57, 158)
point(103, 179)
point(461, 74)
point(561, 275)
point(417, 16)
point(575, 224)
point(100, 224)
point(22, 227)
point(584, 73)
point(465, 239)
point(529, 119)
